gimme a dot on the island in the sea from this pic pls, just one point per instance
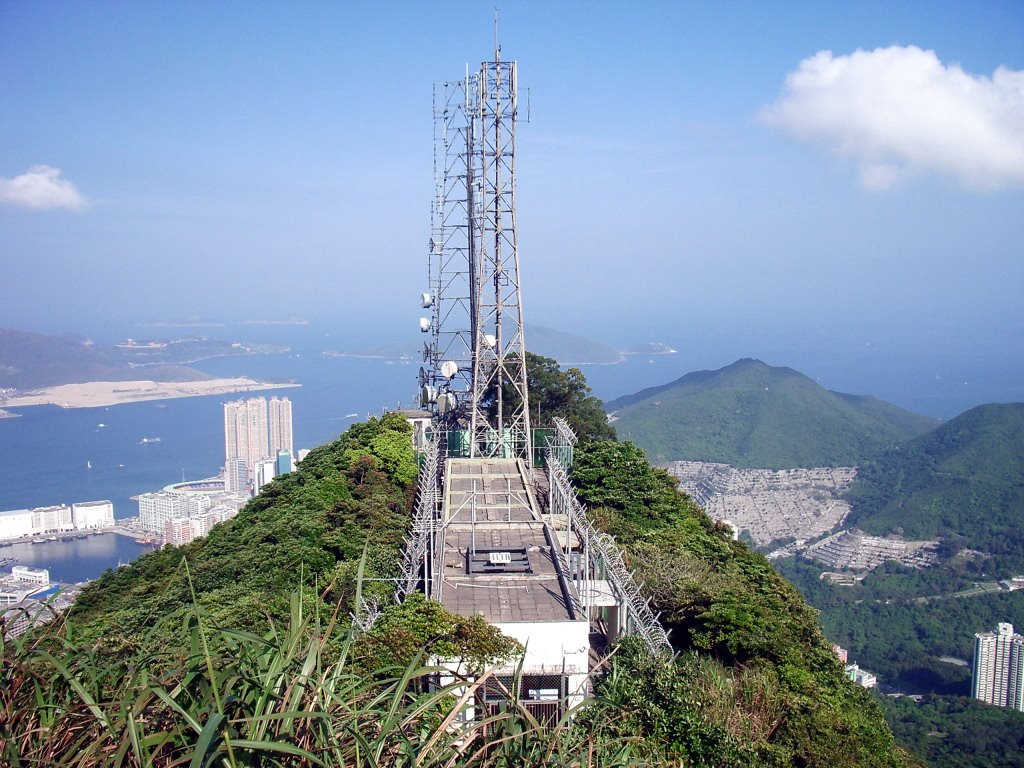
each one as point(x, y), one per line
point(73, 372)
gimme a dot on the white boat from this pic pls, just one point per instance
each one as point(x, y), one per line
point(100, 426)
point(88, 465)
point(145, 440)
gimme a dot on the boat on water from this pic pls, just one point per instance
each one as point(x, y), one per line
point(145, 440)
point(51, 538)
point(100, 426)
point(88, 464)
point(38, 541)
point(145, 540)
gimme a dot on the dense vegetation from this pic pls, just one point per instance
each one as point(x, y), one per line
point(749, 414)
point(274, 641)
point(901, 637)
point(963, 482)
point(956, 732)
point(756, 682)
point(306, 528)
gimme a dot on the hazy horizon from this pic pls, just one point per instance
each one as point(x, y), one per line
point(835, 189)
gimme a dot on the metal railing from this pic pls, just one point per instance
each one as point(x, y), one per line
point(561, 444)
point(419, 542)
point(599, 557)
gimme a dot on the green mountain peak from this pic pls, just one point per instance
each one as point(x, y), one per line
point(751, 414)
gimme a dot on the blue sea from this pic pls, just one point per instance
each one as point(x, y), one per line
point(51, 455)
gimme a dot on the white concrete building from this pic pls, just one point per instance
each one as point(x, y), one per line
point(186, 530)
point(420, 421)
point(92, 515)
point(55, 519)
point(22, 583)
point(861, 677)
point(157, 509)
point(38, 576)
point(997, 674)
point(16, 523)
point(266, 471)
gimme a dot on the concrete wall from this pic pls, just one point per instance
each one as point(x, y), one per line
point(552, 647)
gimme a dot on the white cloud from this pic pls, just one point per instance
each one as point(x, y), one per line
point(899, 111)
point(41, 187)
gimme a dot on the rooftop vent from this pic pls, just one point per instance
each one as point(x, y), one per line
point(498, 561)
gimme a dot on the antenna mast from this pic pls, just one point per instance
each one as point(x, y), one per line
point(475, 379)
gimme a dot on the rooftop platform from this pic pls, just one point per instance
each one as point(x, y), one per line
point(490, 519)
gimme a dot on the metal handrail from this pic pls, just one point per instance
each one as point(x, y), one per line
point(600, 552)
point(414, 557)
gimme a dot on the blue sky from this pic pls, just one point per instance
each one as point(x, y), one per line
point(239, 160)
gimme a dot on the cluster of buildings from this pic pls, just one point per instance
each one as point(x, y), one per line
point(854, 550)
point(860, 676)
point(21, 596)
point(799, 504)
point(997, 674)
point(181, 512)
point(47, 521)
point(258, 446)
point(258, 443)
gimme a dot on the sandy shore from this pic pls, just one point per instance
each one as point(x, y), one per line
point(100, 393)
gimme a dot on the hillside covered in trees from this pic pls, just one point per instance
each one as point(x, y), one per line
point(963, 482)
point(750, 414)
point(275, 641)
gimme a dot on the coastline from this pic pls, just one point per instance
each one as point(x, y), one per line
point(410, 357)
point(95, 394)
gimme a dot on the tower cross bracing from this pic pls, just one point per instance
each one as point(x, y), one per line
point(494, 534)
point(475, 376)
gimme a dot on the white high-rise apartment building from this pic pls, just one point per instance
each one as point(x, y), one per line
point(245, 431)
point(281, 425)
point(236, 476)
point(997, 675)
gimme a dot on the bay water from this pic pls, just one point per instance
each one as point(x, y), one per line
point(51, 455)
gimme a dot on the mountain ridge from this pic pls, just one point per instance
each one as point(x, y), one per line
point(753, 415)
point(963, 480)
point(31, 360)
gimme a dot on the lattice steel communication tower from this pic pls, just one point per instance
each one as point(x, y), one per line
point(474, 378)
